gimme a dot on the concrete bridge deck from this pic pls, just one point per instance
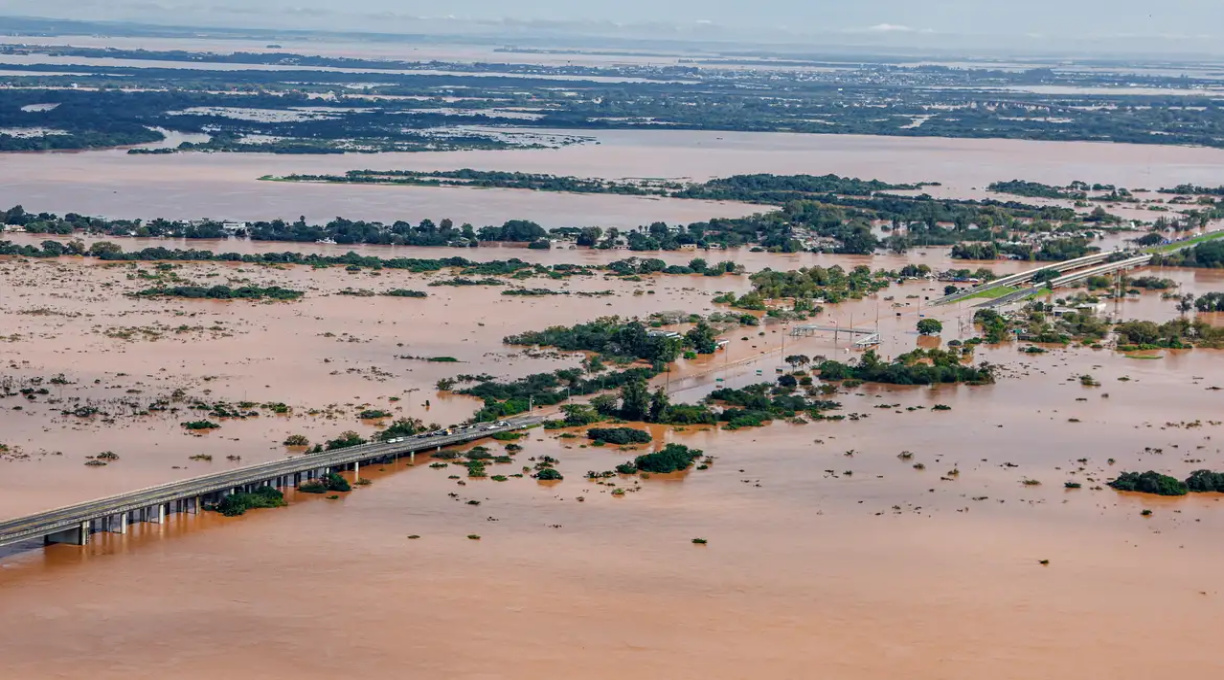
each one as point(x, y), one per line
point(1069, 279)
point(1023, 277)
point(74, 523)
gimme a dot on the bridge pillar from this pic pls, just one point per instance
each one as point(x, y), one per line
point(74, 536)
point(412, 458)
point(116, 524)
point(356, 471)
point(157, 514)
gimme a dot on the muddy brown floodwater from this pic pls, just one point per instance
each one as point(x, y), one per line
point(828, 555)
point(226, 186)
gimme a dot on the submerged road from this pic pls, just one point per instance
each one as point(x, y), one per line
point(74, 523)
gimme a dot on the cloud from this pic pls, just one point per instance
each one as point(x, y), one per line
point(890, 28)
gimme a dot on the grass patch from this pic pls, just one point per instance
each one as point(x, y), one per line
point(994, 293)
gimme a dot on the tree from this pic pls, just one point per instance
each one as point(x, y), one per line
point(659, 404)
point(635, 401)
point(606, 405)
point(796, 360)
point(1185, 303)
point(1046, 275)
point(950, 290)
point(930, 327)
point(104, 248)
point(580, 414)
point(702, 338)
point(53, 248)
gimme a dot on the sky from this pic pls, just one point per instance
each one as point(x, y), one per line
point(1188, 24)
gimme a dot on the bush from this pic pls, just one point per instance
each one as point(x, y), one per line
point(401, 292)
point(236, 504)
point(201, 425)
point(549, 475)
point(619, 435)
point(672, 458)
point(1149, 482)
point(1201, 481)
point(297, 440)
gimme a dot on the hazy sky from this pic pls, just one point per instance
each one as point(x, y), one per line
point(1194, 21)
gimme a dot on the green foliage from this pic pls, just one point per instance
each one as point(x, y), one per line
point(1205, 481)
point(609, 336)
point(702, 338)
point(910, 369)
point(580, 414)
point(673, 458)
point(198, 425)
point(548, 475)
point(334, 482)
point(635, 401)
point(236, 504)
point(833, 284)
point(930, 327)
point(619, 435)
point(403, 427)
point(345, 440)
point(222, 292)
point(1175, 334)
point(296, 440)
point(1149, 482)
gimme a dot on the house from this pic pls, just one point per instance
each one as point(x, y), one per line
point(662, 334)
point(688, 246)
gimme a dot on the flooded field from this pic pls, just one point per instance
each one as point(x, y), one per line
point(829, 554)
point(226, 185)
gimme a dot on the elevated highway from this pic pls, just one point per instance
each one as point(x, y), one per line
point(1023, 277)
point(1069, 279)
point(74, 523)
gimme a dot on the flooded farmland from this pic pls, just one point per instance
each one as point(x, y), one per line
point(827, 554)
point(954, 532)
point(227, 186)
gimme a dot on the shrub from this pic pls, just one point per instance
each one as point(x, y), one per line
point(236, 504)
point(549, 475)
point(1149, 482)
point(297, 440)
point(201, 425)
point(672, 458)
point(619, 435)
point(1201, 481)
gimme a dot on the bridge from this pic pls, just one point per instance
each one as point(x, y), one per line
point(1079, 268)
point(1023, 277)
point(1068, 279)
point(74, 524)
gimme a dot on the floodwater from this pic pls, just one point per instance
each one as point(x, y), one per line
point(828, 556)
point(195, 185)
